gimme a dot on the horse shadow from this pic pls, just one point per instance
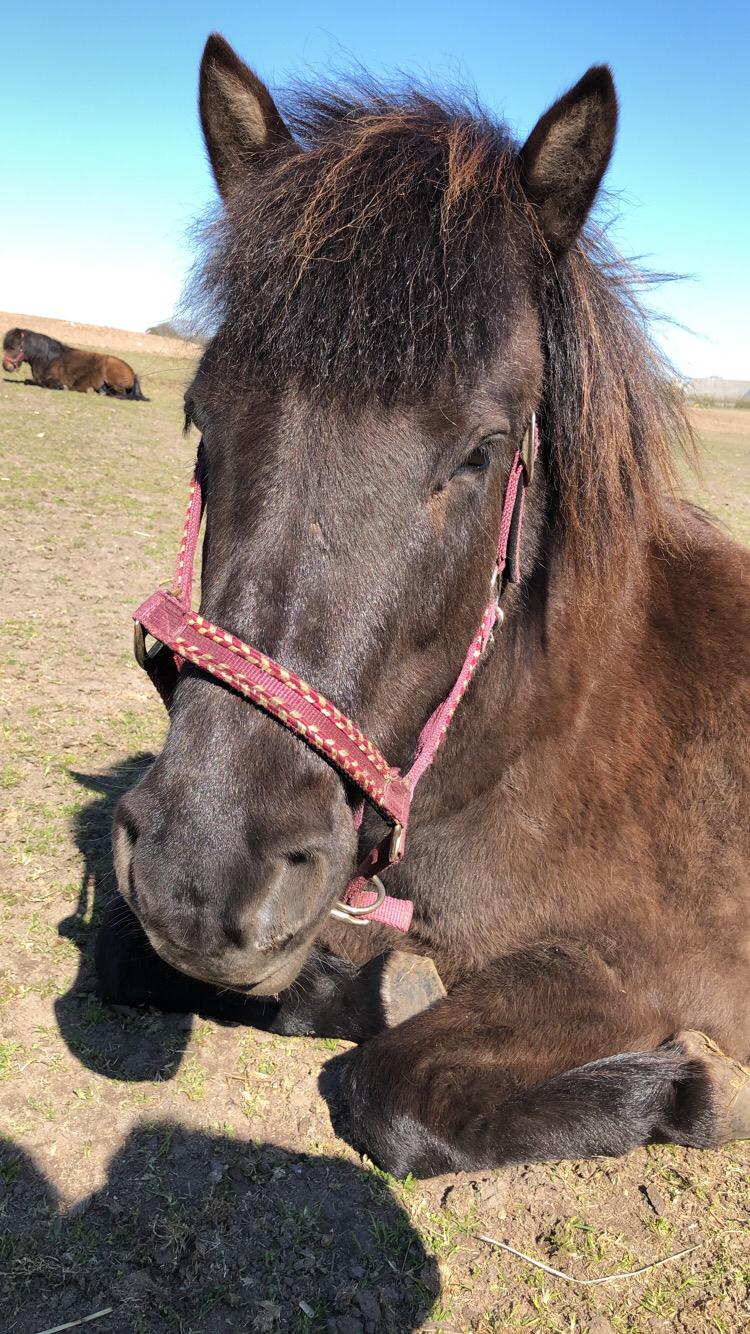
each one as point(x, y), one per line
point(194, 1230)
point(117, 1041)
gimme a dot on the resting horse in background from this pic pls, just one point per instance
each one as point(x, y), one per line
point(54, 365)
point(399, 290)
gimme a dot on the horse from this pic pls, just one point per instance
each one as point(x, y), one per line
point(403, 297)
point(54, 365)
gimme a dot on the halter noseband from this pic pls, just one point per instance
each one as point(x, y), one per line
point(181, 635)
point(17, 359)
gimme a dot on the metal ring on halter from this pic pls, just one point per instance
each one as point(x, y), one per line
point(346, 913)
point(144, 654)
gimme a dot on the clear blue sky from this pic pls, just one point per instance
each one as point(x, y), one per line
point(102, 165)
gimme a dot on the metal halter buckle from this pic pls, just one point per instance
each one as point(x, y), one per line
point(144, 655)
point(397, 844)
point(345, 912)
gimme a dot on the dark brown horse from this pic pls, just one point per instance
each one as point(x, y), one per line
point(396, 287)
point(54, 365)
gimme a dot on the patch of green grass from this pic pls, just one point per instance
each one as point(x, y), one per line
point(86, 1095)
point(659, 1300)
point(10, 989)
point(9, 1247)
point(252, 1104)
point(9, 1052)
point(93, 1012)
point(44, 1107)
point(19, 632)
point(724, 456)
point(302, 1225)
point(192, 1080)
point(10, 1170)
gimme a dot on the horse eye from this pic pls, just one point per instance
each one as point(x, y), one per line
point(476, 461)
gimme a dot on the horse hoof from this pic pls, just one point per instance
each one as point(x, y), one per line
point(409, 984)
point(730, 1084)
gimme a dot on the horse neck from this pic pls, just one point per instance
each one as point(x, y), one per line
point(40, 349)
point(557, 648)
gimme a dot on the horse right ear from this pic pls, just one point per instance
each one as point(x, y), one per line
point(567, 153)
point(238, 115)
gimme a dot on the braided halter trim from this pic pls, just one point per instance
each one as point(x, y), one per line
point(300, 686)
point(280, 693)
point(168, 617)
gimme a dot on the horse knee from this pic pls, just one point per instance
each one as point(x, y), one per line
point(711, 1101)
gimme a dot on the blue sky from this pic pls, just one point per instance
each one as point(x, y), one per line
point(102, 164)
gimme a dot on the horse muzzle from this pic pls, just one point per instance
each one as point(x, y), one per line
point(248, 929)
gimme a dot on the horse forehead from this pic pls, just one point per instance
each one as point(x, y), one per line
point(317, 432)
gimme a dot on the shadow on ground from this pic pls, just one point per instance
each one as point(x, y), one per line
point(128, 1042)
point(199, 1232)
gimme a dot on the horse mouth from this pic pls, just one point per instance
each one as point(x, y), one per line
point(270, 984)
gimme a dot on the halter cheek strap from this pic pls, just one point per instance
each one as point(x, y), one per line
point(183, 635)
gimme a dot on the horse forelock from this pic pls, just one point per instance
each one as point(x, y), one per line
point(386, 253)
point(372, 262)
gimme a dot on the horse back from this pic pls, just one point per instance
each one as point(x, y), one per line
point(118, 375)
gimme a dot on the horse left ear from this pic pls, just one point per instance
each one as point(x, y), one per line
point(239, 117)
point(567, 153)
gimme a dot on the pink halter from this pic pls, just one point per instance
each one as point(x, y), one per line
point(182, 634)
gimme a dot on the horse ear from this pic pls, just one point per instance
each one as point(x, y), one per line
point(567, 153)
point(238, 115)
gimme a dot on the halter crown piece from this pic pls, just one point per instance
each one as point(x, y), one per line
point(182, 635)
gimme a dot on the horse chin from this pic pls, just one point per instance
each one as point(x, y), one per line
point(272, 985)
point(229, 973)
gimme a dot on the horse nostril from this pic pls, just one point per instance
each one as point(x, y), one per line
point(278, 943)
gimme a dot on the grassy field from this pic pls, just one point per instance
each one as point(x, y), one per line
point(173, 1174)
point(722, 484)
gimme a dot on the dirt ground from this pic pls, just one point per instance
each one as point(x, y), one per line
point(166, 1173)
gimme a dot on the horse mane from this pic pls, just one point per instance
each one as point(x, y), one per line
point(42, 344)
point(381, 262)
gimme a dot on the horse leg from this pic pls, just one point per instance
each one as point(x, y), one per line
point(51, 377)
point(130, 972)
point(537, 1058)
point(117, 377)
point(86, 380)
point(333, 997)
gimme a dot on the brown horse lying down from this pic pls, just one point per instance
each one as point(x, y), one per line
point(54, 365)
point(397, 287)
